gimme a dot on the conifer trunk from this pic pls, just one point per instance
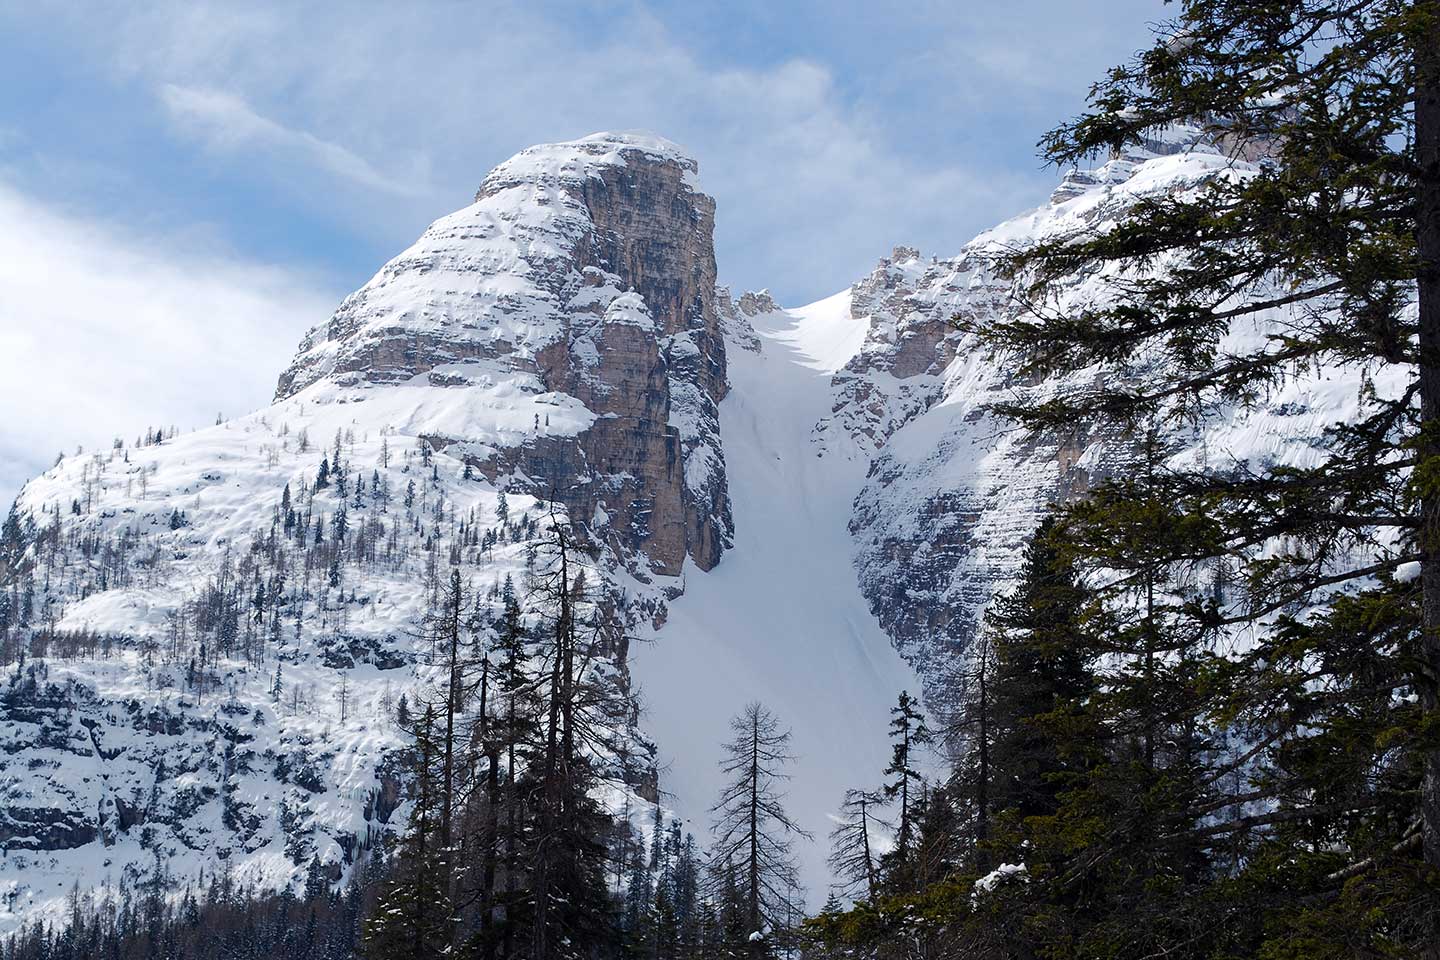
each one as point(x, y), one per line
point(754, 893)
point(492, 816)
point(566, 654)
point(548, 800)
point(903, 841)
point(556, 758)
point(512, 832)
point(447, 782)
point(982, 777)
point(418, 945)
point(1427, 239)
point(870, 883)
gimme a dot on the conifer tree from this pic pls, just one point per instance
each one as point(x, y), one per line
point(572, 910)
point(12, 543)
point(639, 902)
point(753, 833)
point(908, 732)
point(413, 917)
point(447, 624)
point(1218, 581)
point(1043, 672)
point(506, 732)
point(939, 835)
point(855, 842)
point(686, 891)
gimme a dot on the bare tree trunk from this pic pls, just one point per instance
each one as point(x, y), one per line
point(1427, 241)
point(754, 823)
point(870, 880)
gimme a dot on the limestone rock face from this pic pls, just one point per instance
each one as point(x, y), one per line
point(586, 271)
point(896, 373)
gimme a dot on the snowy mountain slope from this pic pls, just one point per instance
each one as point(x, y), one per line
point(779, 500)
point(211, 632)
point(780, 619)
point(139, 741)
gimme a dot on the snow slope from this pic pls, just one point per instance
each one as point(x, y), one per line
point(781, 618)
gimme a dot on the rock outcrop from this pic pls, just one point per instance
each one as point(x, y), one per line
point(586, 270)
point(953, 493)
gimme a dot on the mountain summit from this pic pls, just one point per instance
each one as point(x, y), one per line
point(566, 322)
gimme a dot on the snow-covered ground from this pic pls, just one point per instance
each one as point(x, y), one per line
point(781, 619)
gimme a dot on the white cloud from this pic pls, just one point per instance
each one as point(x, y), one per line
point(227, 123)
point(103, 333)
point(811, 187)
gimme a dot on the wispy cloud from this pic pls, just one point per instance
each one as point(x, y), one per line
point(811, 186)
point(103, 332)
point(225, 122)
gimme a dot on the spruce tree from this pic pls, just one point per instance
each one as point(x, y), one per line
point(413, 917)
point(1222, 769)
point(1043, 673)
point(908, 733)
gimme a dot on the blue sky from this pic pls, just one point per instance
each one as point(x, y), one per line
point(185, 188)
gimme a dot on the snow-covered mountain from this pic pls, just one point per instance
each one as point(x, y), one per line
point(219, 625)
point(809, 507)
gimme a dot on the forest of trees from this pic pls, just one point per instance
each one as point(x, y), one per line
point(1204, 723)
point(506, 851)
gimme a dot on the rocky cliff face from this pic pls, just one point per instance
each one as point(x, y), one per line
point(953, 494)
point(586, 271)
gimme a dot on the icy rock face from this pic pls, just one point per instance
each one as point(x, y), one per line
point(588, 269)
point(735, 316)
point(951, 495)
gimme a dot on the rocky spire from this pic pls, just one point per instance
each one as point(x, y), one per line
point(583, 276)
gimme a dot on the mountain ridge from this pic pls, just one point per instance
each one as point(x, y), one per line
point(561, 338)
